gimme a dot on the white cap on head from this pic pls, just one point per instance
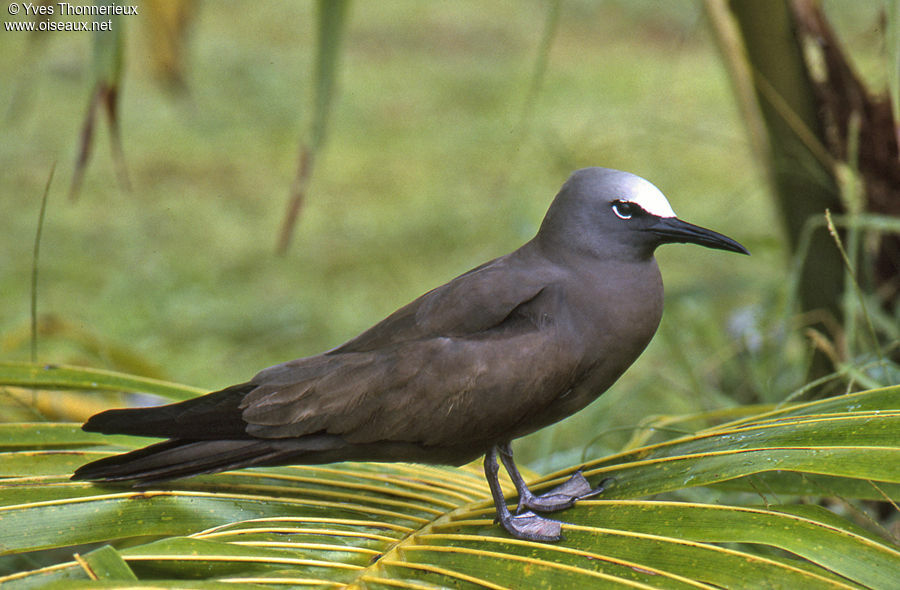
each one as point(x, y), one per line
point(649, 198)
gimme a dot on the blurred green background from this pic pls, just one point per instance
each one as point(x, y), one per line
point(426, 174)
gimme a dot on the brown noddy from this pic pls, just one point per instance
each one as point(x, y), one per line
point(501, 351)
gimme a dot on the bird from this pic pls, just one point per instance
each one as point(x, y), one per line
point(501, 351)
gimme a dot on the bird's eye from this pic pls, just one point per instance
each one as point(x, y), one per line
point(624, 209)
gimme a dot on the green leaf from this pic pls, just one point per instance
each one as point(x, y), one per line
point(843, 436)
point(806, 484)
point(106, 563)
point(40, 376)
point(368, 525)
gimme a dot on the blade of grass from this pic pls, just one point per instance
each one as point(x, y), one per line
point(893, 58)
point(34, 262)
point(332, 17)
point(852, 277)
point(108, 48)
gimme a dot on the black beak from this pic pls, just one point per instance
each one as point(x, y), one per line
point(673, 230)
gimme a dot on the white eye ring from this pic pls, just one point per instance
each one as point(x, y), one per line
point(622, 212)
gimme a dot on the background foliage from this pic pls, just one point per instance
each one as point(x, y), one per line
point(428, 171)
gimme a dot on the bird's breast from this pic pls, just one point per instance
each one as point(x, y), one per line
point(611, 321)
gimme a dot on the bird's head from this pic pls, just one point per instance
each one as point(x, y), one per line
point(610, 213)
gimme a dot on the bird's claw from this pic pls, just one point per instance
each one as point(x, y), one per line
point(562, 496)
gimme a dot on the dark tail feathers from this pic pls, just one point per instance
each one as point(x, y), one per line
point(216, 415)
point(174, 459)
point(207, 432)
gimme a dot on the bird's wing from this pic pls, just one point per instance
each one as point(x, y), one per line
point(466, 361)
point(471, 303)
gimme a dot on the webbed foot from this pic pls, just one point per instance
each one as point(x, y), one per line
point(562, 496)
point(531, 527)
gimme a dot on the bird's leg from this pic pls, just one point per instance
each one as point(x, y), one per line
point(559, 498)
point(528, 526)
